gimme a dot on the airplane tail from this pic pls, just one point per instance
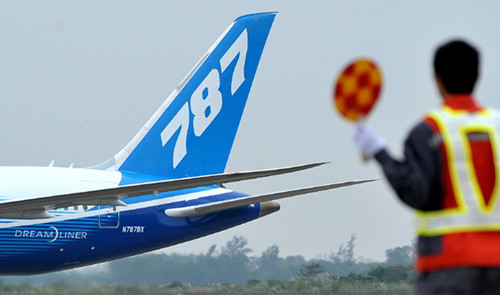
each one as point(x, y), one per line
point(193, 131)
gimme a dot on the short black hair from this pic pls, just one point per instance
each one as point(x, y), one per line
point(457, 64)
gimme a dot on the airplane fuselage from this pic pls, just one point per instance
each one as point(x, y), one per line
point(162, 188)
point(76, 237)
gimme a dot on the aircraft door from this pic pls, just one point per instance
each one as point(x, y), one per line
point(108, 217)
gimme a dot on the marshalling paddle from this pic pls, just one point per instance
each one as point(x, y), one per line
point(357, 89)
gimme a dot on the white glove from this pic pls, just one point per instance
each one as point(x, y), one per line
point(367, 140)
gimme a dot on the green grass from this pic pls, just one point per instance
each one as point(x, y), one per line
point(322, 284)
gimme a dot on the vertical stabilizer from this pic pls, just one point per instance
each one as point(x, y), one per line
point(193, 131)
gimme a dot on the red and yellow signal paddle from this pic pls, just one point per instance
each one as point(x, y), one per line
point(357, 89)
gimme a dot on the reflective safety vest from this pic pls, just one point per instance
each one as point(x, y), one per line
point(474, 211)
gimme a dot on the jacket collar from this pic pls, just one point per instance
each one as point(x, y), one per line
point(465, 102)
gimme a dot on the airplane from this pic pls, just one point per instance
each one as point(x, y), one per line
point(163, 188)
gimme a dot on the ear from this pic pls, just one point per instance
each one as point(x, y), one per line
point(442, 89)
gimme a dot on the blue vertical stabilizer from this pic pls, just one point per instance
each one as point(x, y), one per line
point(193, 131)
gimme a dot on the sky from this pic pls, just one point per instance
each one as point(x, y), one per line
point(78, 79)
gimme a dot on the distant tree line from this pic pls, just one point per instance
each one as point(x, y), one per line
point(233, 265)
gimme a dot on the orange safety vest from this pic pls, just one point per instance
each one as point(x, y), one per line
point(470, 229)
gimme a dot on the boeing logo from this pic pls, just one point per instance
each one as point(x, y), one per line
point(53, 234)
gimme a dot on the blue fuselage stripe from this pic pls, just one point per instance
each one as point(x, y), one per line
point(53, 246)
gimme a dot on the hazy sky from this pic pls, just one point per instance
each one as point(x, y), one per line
point(79, 78)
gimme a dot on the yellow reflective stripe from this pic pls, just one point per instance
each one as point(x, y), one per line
point(422, 217)
point(427, 232)
point(478, 194)
point(495, 147)
point(455, 179)
point(459, 113)
point(456, 219)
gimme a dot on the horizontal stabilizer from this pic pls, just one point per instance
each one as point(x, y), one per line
point(233, 203)
point(110, 196)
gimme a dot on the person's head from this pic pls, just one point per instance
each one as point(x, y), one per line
point(456, 67)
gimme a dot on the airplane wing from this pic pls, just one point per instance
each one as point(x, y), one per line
point(228, 204)
point(36, 207)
